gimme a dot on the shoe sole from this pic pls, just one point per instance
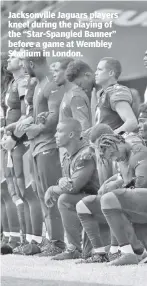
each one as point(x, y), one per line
point(143, 261)
point(129, 263)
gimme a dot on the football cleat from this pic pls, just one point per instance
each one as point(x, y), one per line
point(124, 259)
point(6, 249)
point(50, 250)
point(68, 254)
point(95, 258)
point(113, 256)
point(31, 248)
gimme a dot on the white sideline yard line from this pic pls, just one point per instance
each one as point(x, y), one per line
point(46, 269)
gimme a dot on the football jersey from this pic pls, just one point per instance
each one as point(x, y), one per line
point(29, 93)
point(76, 104)
point(47, 98)
point(106, 102)
point(16, 90)
point(136, 167)
point(74, 168)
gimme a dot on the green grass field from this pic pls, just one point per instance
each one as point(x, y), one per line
point(37, 271)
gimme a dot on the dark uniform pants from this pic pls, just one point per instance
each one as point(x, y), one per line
point(15, 176)
point(47, 171)
point(73, 228)
point(133, 204)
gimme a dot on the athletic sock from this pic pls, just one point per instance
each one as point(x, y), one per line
point(27, 217)
point(99, 250)
point(114, 249)
point(6, 237)
point(126, 249)
point(4, 220)
point(47, 236)
point(115, 220)
point(114, 241)
point(6, 234)
point(15, 235)
point(29, 237)
point(11, 223)
point(35, 213)
point(21, 215)
point(43, 229)
point(38, 239)
point(91, 227)
point(14, 239)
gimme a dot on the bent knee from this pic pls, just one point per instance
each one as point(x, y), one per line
point(63, 199)
point(89, 199)
point(110, 201)
point(81, 208)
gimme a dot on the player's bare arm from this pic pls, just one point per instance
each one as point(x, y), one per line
point(126, 113)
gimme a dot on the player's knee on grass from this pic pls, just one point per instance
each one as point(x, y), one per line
point(110, 201)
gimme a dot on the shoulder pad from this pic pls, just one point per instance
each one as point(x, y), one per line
point(122, 88)
point(118, 87)
point(86, 154)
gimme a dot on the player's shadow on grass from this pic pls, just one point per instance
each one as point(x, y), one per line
point(12, 281)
